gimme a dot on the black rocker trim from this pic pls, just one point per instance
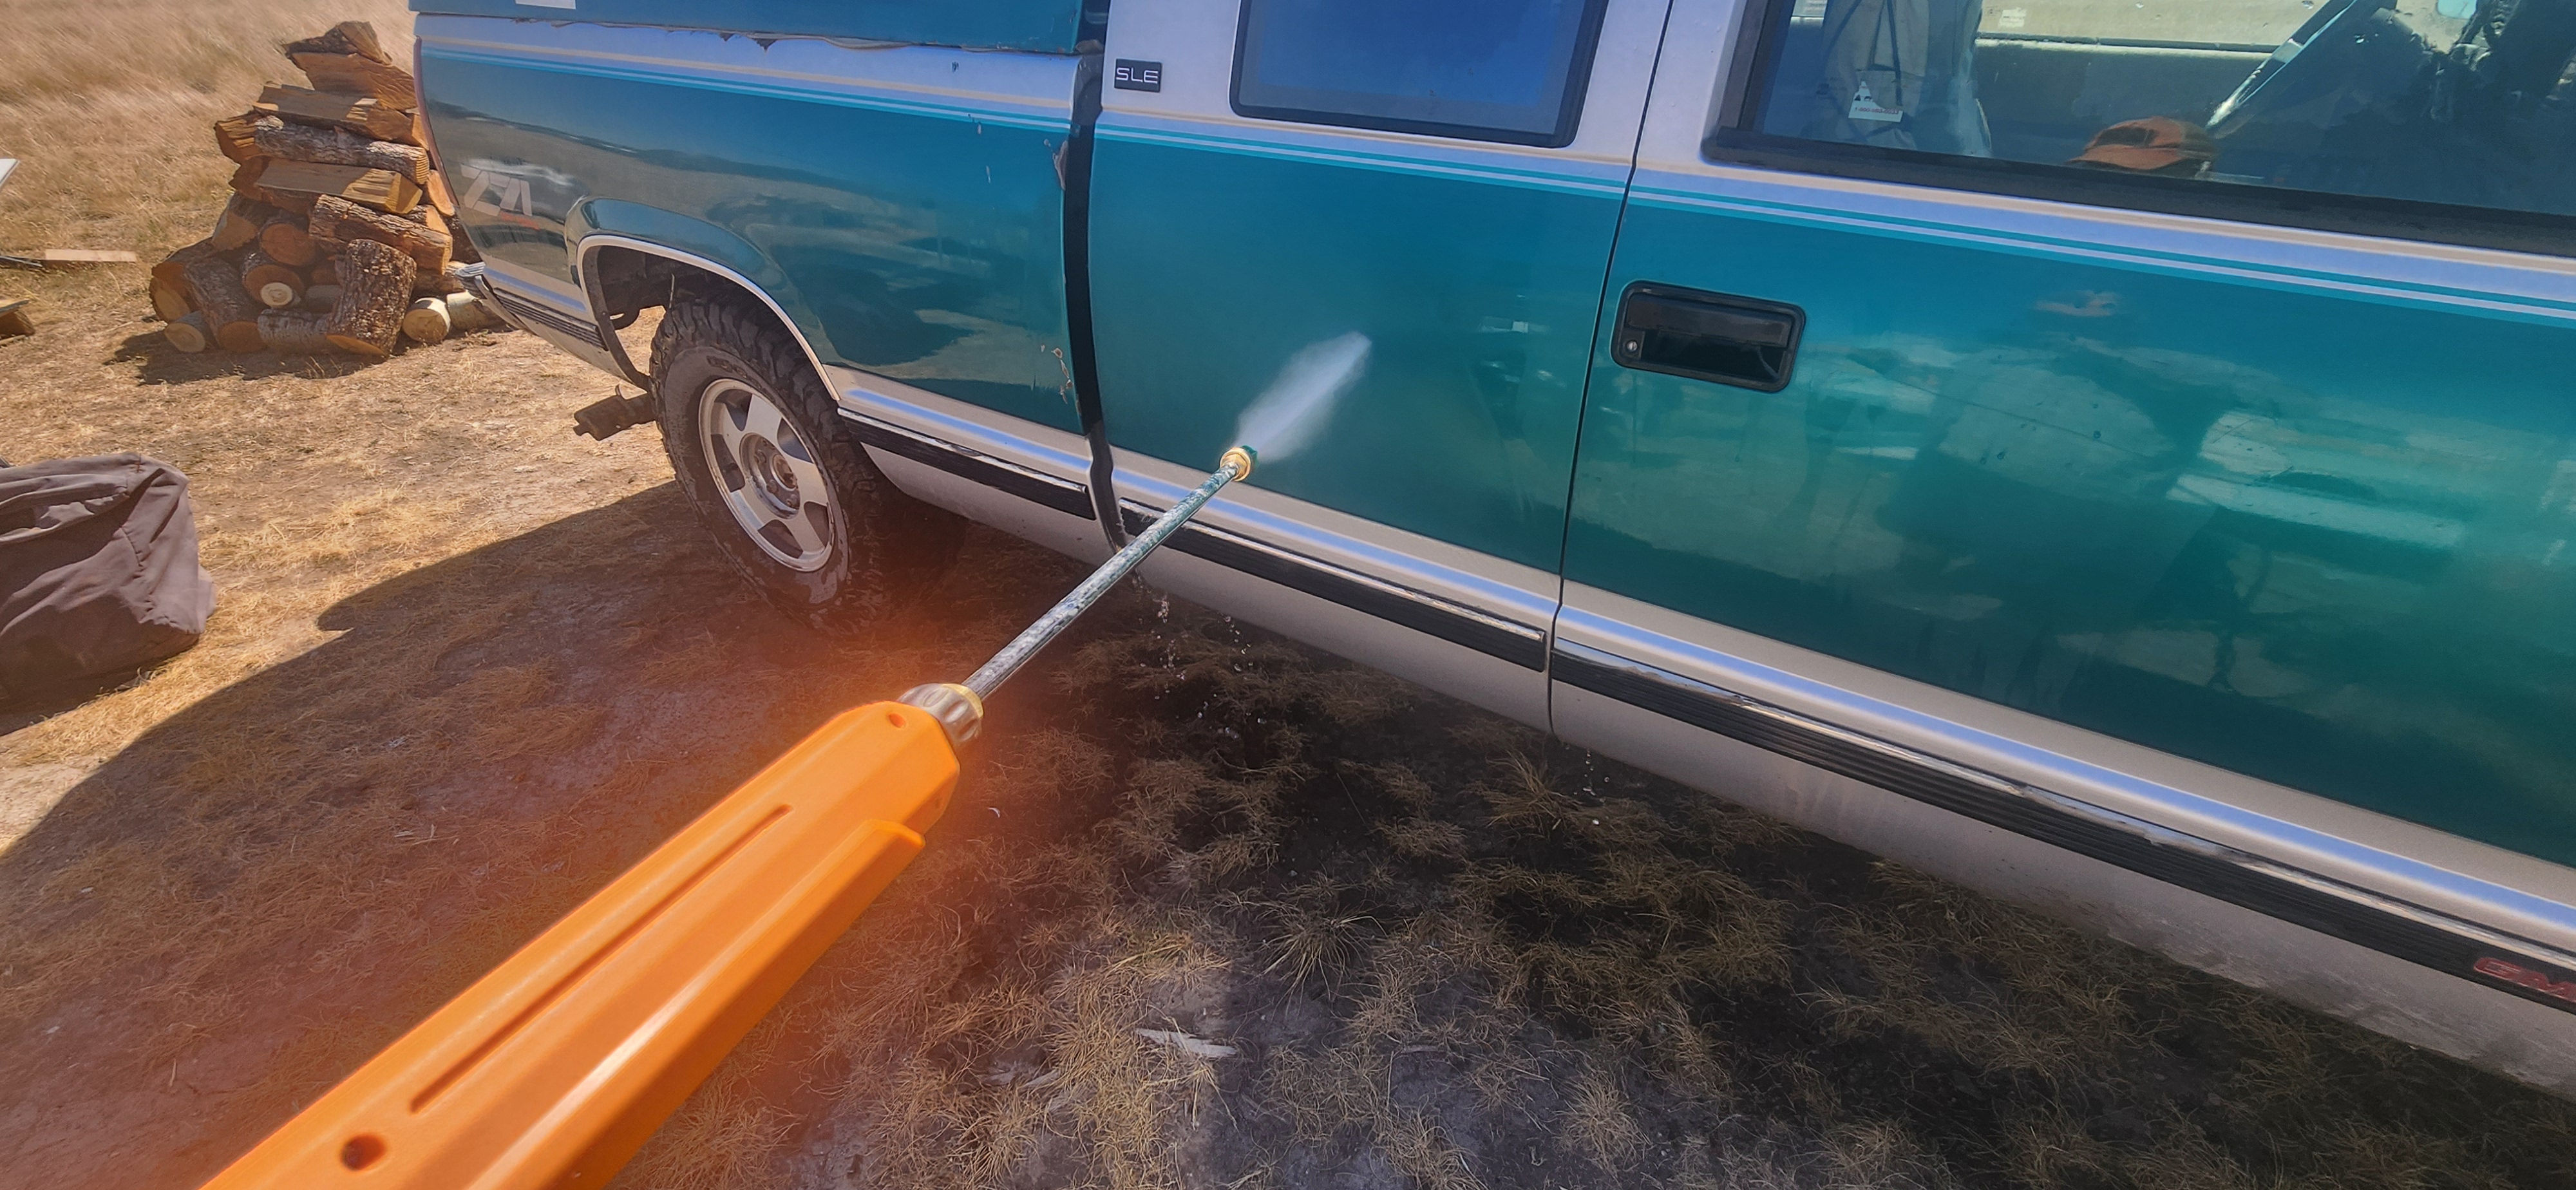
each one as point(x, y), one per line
point(1520, 644)
point(2421, 936)
point(965, 463)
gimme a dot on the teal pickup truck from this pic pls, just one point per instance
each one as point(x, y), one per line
point(2119, 454)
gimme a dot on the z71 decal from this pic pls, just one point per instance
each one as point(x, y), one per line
point(2524, 977)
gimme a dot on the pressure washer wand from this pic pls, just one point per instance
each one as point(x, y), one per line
point(558, 1064)
point(960, 706)
point(1236, 464)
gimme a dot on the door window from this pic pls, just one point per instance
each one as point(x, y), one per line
point(1497, 70)
point(2469, 103)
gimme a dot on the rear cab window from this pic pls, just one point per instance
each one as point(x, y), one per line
point(2406, 110)
point(1511, 71)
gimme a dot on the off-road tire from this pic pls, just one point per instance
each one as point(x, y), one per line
point(882, 543)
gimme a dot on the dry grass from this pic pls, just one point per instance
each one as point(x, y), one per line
point(106, 105)
point(1209, 911)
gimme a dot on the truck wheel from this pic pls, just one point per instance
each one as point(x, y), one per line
point(776, 475)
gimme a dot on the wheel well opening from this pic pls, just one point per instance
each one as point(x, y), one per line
point(632, 287)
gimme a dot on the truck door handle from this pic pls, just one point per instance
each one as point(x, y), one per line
point(1745, 342)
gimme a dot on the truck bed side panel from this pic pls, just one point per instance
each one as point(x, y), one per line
point(901, 204)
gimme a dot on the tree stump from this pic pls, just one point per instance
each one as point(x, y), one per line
point(375, 291)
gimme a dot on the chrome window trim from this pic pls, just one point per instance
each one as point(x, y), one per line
point(1196, 41)
point(1580, 58)
point(1685, 109)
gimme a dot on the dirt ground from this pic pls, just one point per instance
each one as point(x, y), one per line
point(1211, 910)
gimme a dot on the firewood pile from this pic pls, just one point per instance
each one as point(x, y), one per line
point(336, 237)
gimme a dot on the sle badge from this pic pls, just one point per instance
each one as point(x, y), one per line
point(1132, 75)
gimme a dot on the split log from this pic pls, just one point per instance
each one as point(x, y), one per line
point(381, 189)
point(438, 284)
point(240, 223)
point(353, 74)
point(286, 242)
point(275, 285)
point(214, 285)
point(322, 109)
point(460, 250)
point(338, 222)
point(173, 269)
point(294, 332)
point(189, 334)
point(320, 298)
point(438, 194)
point(332, 146)
point(347, 37)
point(249, 181)
point(375, 291)
point(233, 136)
point(433, 319)
point(169, 301)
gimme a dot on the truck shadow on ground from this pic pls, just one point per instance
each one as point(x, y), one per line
point(262, 889)
point(1372, 937)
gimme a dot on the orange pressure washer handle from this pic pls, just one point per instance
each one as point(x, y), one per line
point(553, 1069)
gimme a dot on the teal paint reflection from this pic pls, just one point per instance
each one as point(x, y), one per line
point(2321, 541)
point(1212, 269)
point(926, 248)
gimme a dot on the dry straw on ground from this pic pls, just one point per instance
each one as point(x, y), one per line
point(1210, 910)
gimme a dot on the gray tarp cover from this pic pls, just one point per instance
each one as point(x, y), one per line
point(98, 569)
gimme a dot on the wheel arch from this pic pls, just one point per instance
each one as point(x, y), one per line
point(624, 273)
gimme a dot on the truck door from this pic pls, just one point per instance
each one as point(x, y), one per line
point(2191, 376)
point(1394, 221)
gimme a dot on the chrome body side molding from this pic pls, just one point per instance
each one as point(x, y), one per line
point(541, 307)
point(1521, 644)
point(2440, 941)
point(1455, 621)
